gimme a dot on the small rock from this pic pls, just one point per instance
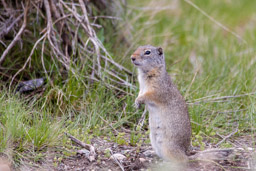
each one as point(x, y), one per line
point(30, 85)
point(118, 156)
point(89, 155)
point(142, 160)
point(250, 148)
point(84, 152)
point(115, 145)
point(149, 153)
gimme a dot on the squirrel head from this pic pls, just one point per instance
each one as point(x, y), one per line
point(148, 57)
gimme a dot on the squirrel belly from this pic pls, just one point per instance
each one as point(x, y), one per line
point(156, 131)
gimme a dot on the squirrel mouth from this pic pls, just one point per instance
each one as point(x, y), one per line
point(137, 64)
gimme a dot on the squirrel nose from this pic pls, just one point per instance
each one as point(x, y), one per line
point(133, 58)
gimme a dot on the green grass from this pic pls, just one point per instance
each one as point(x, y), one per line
point(30, 129)
point(194, 47)
point(25, 131)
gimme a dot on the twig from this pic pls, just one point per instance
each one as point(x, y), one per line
point(38, 10)
point(63, 29)
point(112, 62)
point(17, 35)
point(142, 119)
point(6, 31)
point(3, 43)
point(152, 8)
point(107, 17)
point(108, 123)
point(49, 32)
point(228, 136)
point(61, 18)
point(215, 21)
point(231, 111)
point(1, 73)
point(53, 42)
point(49, 15)
point(7, 9)
point(92, 34)
point(117, 65)
point(109, 85)
point(193, 122)
point(221, 98)
point(228, 97)
point(123, 112)
point(84, 145)
point(78, 142)
point(4, 4)
point(116, 160)
point(42, 59)
point(210, 161)
point(28, 59)
point(123, 82)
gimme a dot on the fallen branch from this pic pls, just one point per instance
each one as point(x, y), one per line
point(89, 147)
point(226, 137)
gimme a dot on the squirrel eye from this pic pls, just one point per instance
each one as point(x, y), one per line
point(147, 52)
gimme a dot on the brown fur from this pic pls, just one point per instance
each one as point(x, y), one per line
point(169, 122)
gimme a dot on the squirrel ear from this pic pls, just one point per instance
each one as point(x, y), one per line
point(160, 51)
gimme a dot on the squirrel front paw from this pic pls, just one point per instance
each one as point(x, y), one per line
point(138, 102)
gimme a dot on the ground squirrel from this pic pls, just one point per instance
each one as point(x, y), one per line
point(169, 123)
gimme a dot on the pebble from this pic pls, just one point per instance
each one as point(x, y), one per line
point(84, 152)
point(118, 156)
point(142, 160)
point(149, 153)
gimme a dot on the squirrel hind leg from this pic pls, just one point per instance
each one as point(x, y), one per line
point(174, 159)
point(175, 155)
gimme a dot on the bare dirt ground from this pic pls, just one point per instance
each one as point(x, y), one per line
point(142, 158)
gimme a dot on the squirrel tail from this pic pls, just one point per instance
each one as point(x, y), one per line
point(217, 159)
point(211, 159)
point(212, 154)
